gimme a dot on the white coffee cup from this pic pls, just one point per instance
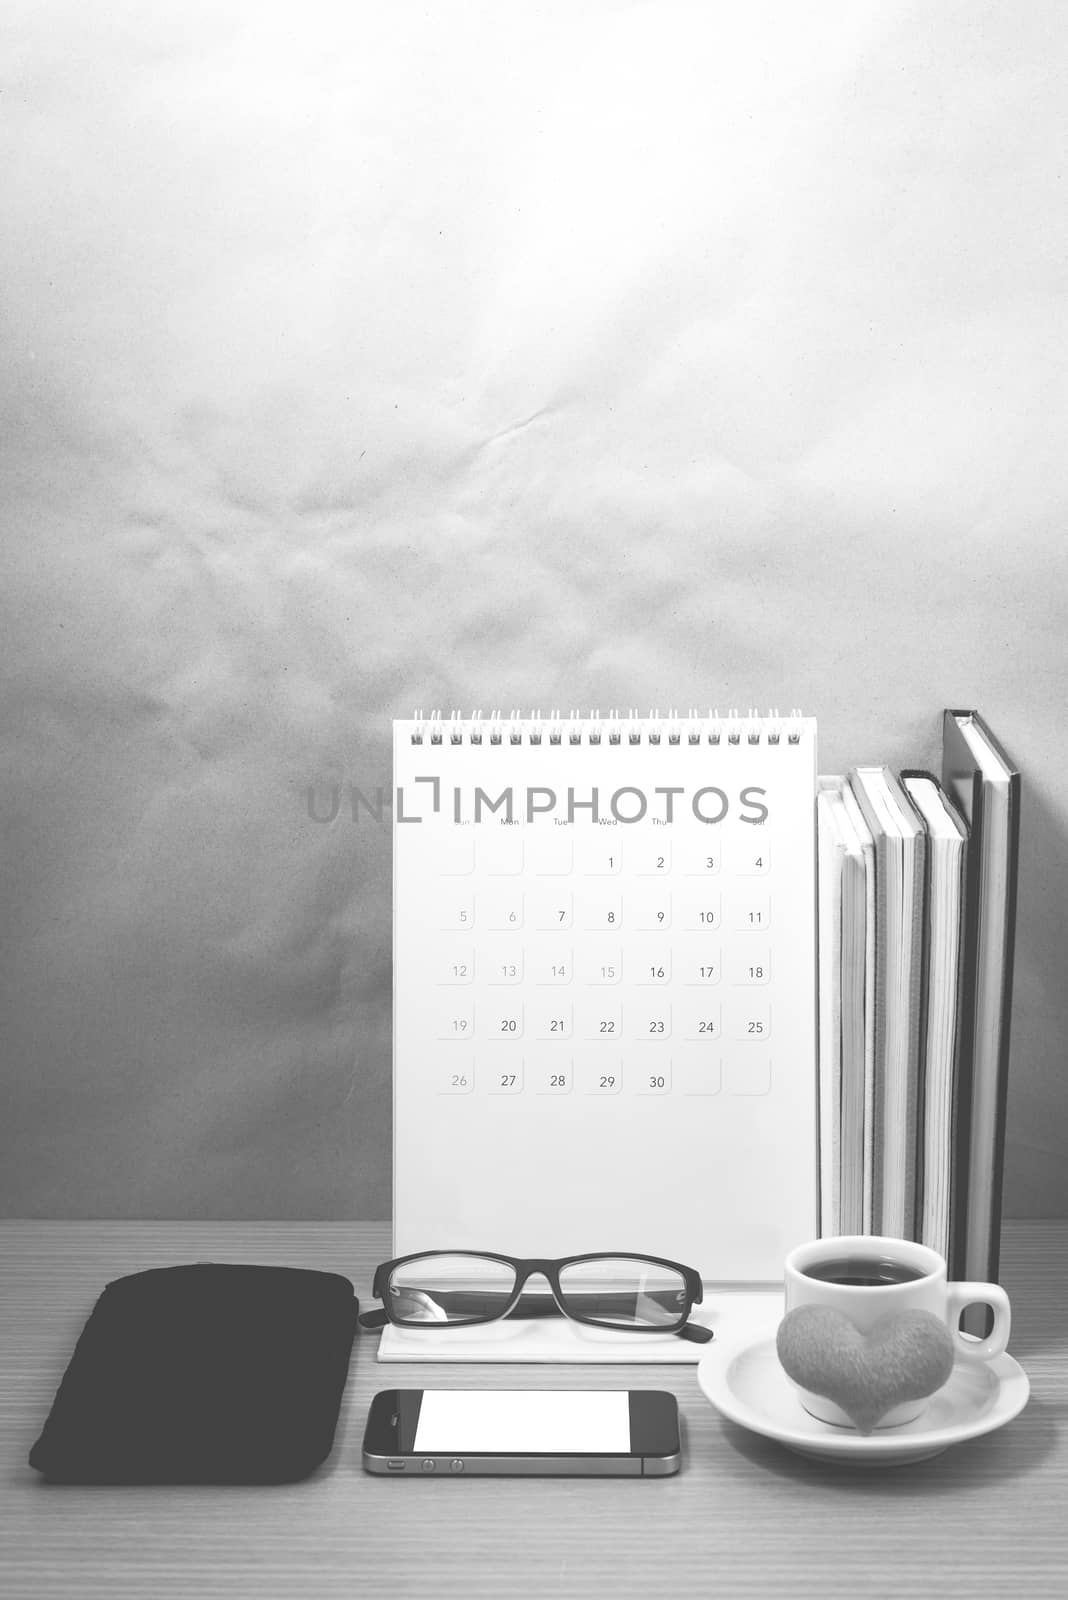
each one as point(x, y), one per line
point(866, 1303)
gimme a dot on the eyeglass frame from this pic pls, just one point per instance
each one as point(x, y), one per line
point(525, 1267)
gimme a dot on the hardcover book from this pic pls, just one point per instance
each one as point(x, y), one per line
point(938, 1207)
point(985, 785)
point(900, 854)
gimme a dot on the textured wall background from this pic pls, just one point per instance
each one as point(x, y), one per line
point(363, 357)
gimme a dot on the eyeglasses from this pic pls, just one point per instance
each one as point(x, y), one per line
point(461, 1288)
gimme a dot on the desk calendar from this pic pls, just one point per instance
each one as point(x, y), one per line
point(605, 987)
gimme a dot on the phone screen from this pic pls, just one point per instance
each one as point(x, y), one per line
point(522, 1421)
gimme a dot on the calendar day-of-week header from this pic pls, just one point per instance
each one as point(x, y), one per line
point(626, 804)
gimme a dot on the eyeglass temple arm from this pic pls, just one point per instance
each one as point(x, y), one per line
point(373, 1319)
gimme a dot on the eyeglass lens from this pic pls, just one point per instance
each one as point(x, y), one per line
point(450, 1288)
point(613, 1290)
point(624, 1293)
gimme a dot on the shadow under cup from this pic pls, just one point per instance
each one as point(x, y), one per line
point(867, 1277)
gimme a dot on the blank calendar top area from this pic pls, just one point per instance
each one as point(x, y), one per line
point(712, 776)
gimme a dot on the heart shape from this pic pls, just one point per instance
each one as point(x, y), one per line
point(906, 1356)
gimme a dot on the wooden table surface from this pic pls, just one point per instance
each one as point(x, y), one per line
point(744, 1517)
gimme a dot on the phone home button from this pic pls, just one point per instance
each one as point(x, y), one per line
point(428, 1465)
point(456, 1465)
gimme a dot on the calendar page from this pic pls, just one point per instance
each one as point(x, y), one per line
point(604, 988)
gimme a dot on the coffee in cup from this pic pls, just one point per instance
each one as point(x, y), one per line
point(869, 1277)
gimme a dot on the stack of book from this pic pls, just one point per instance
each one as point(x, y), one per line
point(917, 908)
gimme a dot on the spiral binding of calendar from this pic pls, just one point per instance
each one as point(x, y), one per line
point(695, 728)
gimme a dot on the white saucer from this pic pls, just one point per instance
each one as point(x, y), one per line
point(747, 1384)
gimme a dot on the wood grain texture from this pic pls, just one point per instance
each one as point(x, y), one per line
point(743, 1518)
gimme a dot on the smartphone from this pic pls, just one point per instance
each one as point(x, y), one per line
point(582, 1433)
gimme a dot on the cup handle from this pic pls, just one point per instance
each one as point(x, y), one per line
point(960, 1295)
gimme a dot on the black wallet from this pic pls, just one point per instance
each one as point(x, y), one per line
point(203, 1374)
